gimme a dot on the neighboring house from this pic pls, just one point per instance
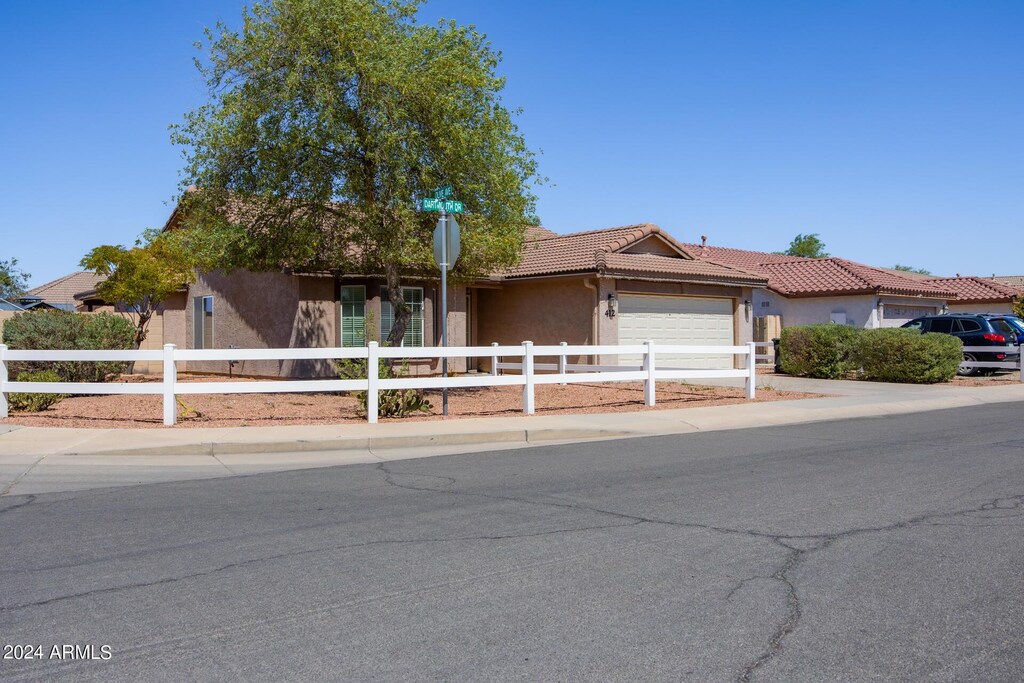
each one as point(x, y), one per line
point(804, 291)
point(620, 285)
point(979, 294)
point(1012, 280)
point(64, 292)
point(10, 306)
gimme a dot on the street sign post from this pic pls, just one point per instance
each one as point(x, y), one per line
point(445, 205)
point(447, 247)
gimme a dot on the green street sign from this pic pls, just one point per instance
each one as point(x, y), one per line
point(443, 192)
point(448, 205)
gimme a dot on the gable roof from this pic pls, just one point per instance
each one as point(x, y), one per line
point(605, 251)
point(977, 289)
point(797, 276)
point(62, 291)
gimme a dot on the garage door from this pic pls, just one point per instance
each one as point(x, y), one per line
point(894, 315)
point(678, 320)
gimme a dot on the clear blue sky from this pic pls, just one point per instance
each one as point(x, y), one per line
point(891, 128)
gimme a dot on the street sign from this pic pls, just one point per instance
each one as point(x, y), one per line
point(453, 240)
point(446, 205)
point(443, 192)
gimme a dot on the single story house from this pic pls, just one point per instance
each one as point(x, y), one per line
point(979, 294)
point(618, 285)
point(804, 291)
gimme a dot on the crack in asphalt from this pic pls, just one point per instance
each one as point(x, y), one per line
point(312, 551)
point(29, 500)
point(797, 546)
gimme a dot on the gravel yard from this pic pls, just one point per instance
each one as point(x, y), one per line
point(236, 410)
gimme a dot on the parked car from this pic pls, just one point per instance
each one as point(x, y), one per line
point(1014, 322)
point(973, 330)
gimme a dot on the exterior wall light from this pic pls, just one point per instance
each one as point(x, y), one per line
point(612, 299)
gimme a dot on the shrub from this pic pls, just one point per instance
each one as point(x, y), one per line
point(898, 355)
point(821, 351)
point(64, 330)
point(34, 403)
point(390, 402)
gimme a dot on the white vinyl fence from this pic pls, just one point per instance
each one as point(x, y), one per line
point(530, 372)
point(1000, 365)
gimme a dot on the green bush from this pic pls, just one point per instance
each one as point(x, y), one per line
point(390, 402)
point(898, 355)
point(63, 331)
point(821, 351)
point(34, 403)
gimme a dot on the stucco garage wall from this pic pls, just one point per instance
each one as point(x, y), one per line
point(544, 312)
point(860, 310)
point(266, 310)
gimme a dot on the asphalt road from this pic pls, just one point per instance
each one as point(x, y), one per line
point(884, 549)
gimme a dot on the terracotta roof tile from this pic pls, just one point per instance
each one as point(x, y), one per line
point(601, 251)
point(977, 289)
point(1012, 280)
point(797, 276)
point(833, 276)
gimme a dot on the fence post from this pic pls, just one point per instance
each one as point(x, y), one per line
point(561, 361)
point(1020, 362)
point(528, 405)
point(649, 398)
point(3, 380)
point(751, 369)
point(170, 378)
point(372, 381)
point(494, 362)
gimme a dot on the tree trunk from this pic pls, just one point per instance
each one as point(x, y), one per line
point(402, 312)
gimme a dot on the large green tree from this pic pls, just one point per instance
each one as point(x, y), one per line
point(327, 120)
point(140, 278)
point(13, 280)
point(808, 246)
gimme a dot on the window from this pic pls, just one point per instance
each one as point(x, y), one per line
point(970, 325)
point(353, 316)
point(413, 297)
point(915, 325)
point(943, 325)
point(202, 322)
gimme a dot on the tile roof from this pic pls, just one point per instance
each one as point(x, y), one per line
point(742, 258)
point(796, 276)
point(63, 289)
point(978, 289)
point(1012, 280)
point(602, 251)
point(836, 276)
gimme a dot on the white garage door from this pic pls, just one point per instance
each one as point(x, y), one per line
point(894, 315)
point(678, 320)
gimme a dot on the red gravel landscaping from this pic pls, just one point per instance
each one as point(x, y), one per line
point(237, 410)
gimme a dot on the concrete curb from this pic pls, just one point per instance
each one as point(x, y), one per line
point(363, 443)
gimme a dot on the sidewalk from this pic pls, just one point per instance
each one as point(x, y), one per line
point(35, 460)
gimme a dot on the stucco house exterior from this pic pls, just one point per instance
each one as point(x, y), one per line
point(804, 291)
point(619, 285)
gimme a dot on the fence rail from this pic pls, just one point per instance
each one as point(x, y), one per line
point(530, 374)
point(998, 365)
